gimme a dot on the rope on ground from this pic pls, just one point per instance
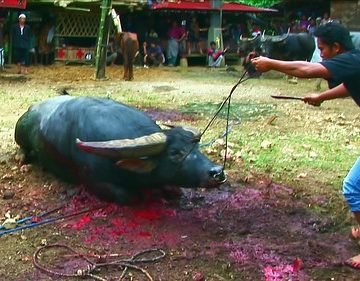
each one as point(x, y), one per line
point(227, 130)
point(92, 266)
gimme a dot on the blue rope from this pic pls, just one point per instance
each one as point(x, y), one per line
point(49, 220)
point(29, 218)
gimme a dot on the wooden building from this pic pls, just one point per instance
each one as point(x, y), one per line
point(348, 12)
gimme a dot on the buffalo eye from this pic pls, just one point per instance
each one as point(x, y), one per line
point(176, 154)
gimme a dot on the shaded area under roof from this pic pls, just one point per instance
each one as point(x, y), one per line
point(17, 4)
point(206, 6)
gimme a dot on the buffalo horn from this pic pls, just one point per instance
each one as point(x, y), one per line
point(196, 132)
point(126, 148)
point(263, 36)
point(278, 39)
point(248, 39)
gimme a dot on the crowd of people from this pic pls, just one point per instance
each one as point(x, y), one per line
point(165, 42)
point(184, 38)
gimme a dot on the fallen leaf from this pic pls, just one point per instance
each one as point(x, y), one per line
point(266, 144)
point(301, 175)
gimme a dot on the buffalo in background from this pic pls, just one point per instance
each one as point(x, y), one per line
point(288, 47)
point(129, 47)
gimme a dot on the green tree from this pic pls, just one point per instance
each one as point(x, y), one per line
point(258, 3)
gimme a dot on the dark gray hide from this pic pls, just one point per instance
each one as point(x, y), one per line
point(289, 47)
point(114, 149)
point(247, 45)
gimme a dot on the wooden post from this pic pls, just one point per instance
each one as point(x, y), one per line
point(102, 39)
point(215, 33)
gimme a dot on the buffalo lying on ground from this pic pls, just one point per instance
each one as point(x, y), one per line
point(114, 149)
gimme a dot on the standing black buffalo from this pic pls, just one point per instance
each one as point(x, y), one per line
point(112, 148)
point(289, 47)
point(247, 45)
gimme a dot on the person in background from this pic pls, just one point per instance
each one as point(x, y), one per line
point(303, 24)
point(2, 44)
point(46, 46)
point(112, 53)
point(341, 68)
point(152, 34)
point(311, 27)
point(176, 35)
point(193, 42)
point(153, 54)
point(21, 39)
point(215, 56)
point(326, 19)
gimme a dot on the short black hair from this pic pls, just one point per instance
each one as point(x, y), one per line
point(334, 32)
point(212, 43)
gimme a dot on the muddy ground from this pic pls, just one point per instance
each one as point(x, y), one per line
point(248, 229)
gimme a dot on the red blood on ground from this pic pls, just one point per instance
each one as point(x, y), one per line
point(35, 219)
point(279, 273)
point(112, 221)
point(143, 234)
point(148, 214)
point(297, 264)
point(80, 224)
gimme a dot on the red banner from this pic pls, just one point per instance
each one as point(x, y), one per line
point(18, 4)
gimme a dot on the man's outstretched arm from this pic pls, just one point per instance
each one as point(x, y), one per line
point(334, 93)
point(300, 69)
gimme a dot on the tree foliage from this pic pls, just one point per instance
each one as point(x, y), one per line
point(258, 3)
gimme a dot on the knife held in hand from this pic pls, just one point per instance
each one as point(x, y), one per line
point(287, 97)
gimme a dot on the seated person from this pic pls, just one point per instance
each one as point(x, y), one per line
point(153, 54)
point(215, 56)
point(111, 53)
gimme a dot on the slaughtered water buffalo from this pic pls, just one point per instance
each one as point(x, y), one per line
point(114, 149)
point(289, 47)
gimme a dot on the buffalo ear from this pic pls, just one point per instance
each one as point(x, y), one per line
point(136, 165)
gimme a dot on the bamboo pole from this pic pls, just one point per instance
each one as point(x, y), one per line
point(102, 39)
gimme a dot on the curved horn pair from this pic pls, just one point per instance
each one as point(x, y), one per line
point(248, 39)
point(263, 38)
point(126, 148)
point(278, 39)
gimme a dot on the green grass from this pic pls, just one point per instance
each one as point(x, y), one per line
point(309, 148)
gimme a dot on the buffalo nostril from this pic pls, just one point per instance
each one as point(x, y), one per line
point(217, 173)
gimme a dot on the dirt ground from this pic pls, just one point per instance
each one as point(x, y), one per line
point(248, 229)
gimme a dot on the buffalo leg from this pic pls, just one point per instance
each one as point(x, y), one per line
point(126, 68)
point(113, 193)
point(131, 74)
point(126, 71)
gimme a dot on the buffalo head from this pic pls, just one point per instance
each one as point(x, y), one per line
point(247, 45)
point(171, 156)
point(268, 42)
